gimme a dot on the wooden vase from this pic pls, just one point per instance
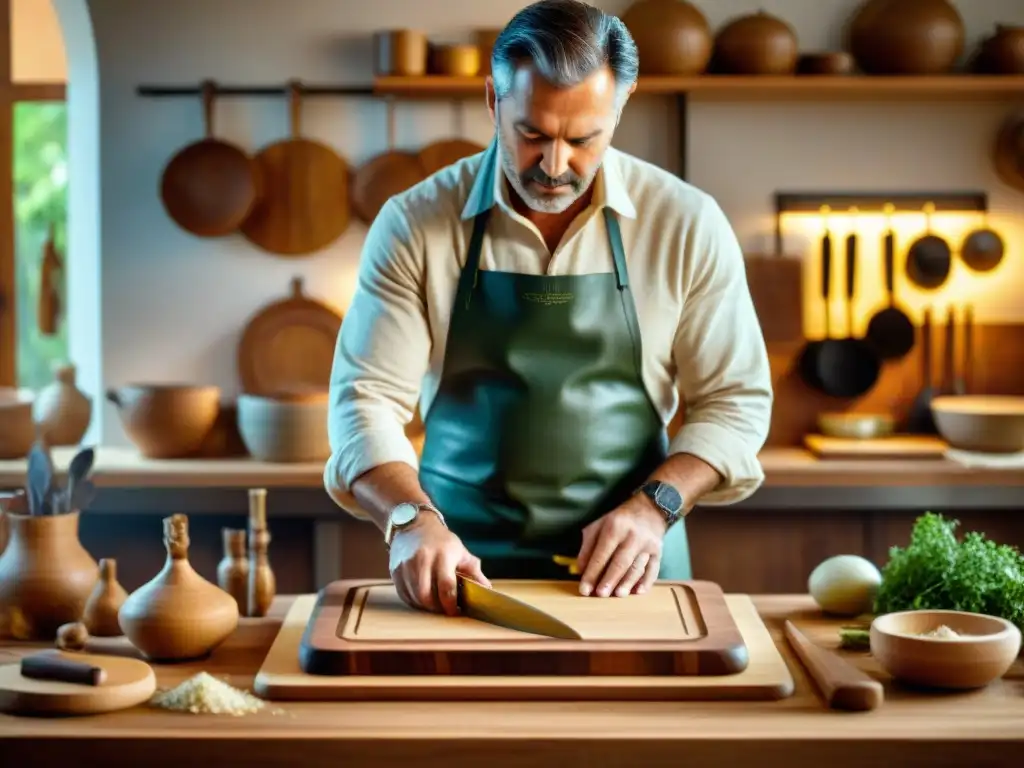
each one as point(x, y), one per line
point(233, 569)
point(178, 615)
point(101, 609)
point(46, 576)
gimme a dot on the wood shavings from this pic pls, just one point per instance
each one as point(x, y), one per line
point(204, 694)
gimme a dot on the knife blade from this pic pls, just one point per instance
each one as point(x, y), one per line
point(483, 604)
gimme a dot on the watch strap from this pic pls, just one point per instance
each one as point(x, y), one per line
point(391, 529)
point(666, 498)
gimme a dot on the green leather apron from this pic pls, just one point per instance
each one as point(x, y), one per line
point(542, 422)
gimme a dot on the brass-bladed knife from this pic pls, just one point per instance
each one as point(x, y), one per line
point(484, 604)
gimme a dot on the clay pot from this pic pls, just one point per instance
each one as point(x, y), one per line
point(826, 63)
point(756, 44)
point(672, 37)
point(17, 429)
point(285, 428)
point(101, 609)
point(178, 615)
point(61, 411)
point(1008, 157)
point(167, 421)
point(906, 37)
point(1001, 53)
point(46, 576)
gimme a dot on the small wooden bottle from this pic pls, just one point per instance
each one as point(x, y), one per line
point(100, 614)
point(262, 584)
point(233, 569)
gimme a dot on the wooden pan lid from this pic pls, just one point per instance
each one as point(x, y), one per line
point(288, 346)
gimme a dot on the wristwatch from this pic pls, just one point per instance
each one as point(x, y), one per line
point(405, 514)
point(666, 498)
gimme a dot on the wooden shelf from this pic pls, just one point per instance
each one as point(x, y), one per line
point(766, 88)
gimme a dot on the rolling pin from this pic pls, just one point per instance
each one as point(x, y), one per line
point(841, 684)
point(51, 666)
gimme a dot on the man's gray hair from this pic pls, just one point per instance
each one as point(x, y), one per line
point(566, 41)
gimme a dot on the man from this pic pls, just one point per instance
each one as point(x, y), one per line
point(545, 302)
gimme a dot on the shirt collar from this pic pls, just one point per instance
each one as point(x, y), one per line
point(489, 186)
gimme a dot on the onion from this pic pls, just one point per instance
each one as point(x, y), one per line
point(845, 585)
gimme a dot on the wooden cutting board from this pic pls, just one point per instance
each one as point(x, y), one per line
point(894, 447)
point(678, 628)
point(765, 678)
point(129, 682)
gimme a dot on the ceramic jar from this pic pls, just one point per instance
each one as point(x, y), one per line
point(61, 411)
point(46, 576)
point(673, 37)
point(906, 37)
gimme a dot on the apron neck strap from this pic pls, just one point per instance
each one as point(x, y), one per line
point(618, 252)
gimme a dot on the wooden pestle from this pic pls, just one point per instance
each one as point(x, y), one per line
point(262, 584)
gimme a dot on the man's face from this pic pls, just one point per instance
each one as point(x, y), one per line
point(552, 140)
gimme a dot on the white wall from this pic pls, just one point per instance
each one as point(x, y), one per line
point(174, 305)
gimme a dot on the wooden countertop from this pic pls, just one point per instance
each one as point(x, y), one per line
point(118, 467)
point(981, 728)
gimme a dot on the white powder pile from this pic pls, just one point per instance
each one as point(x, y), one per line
point(204, 694)
point(941, 632)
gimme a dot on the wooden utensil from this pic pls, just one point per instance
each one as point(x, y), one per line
point(948, 382)
point(892, 448)
point(209, 187)
point(765, 678)
point(965, 378)
point(53, 665)
point(49, 297)
point(842, 685)
point(930, 258)
point(776, 283)
point(890, 331)
point(305, 203)
point(677, 628)
point(127, 683)
point(288, 346)
point(920, 419)
point(385, 175)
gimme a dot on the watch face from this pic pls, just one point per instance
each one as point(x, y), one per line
point(404, 514)
point(668, 498)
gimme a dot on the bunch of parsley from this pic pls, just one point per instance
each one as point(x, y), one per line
point(936, 571)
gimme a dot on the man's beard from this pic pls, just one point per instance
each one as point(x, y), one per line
point(542, 203)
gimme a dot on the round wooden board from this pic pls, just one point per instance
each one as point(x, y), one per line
point(441, 154)
point(381, 178)
point(288, 346)
point(129, 682)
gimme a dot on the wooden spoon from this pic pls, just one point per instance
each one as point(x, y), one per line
point(841, 684)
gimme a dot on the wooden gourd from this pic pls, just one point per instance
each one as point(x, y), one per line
point(262, 584)
point(233, 569)
point(103, 605)
point(178, 615)
point(906, 37)
point(756, 44)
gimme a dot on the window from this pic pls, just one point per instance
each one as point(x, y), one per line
point(33, 153)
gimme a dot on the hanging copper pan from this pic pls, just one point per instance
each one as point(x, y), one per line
point(384, 176)
point(210, 186)
point(305, 205)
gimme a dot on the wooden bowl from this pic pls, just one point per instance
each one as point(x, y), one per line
point(981, 423)
point(17, 429)
point(862, 426)
point(166, 421)
point(825, 63)
point(985, 648)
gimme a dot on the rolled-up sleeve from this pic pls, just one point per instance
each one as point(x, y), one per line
point(723, 371)
point(382, 354)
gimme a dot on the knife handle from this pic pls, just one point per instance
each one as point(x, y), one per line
point(47, 666)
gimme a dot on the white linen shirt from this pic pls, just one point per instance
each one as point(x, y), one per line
point(700, 335)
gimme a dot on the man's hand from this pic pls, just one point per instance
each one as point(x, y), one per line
point(423, 562)
point(621, 552)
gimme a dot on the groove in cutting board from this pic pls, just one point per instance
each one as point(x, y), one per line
point(678, 628)
point(765, 678)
